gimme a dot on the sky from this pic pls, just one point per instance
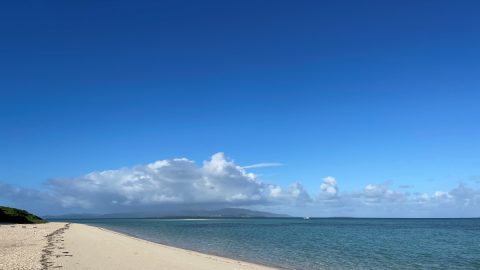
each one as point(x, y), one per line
point(318, 108)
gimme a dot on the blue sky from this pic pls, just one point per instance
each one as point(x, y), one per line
point(371, 92)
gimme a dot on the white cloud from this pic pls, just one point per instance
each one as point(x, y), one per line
point(381, 193)
point(262, 165)
point(379, 200)
point(294, 194)
point(220, 182)
point(328, 188)
point(298, 194)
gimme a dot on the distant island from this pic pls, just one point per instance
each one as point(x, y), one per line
point(219, 213)
point(14, 215)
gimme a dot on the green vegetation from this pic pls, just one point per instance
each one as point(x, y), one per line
point(13, 215)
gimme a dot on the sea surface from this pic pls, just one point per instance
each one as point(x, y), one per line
point(323, 243)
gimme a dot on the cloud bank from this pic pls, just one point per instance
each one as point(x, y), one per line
point(219, 182)
point(176, 181)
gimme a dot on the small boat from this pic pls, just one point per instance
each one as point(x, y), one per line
point(306, 218)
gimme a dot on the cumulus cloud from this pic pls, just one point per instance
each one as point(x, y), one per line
point(295, 194)
point(381, 193)
point(382, 200)
point(220, 182)
point(378, 200)
point(328, 188)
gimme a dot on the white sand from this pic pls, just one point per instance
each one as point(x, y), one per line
point(86, 247)
point(21, 245)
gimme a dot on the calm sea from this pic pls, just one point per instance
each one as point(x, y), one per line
point(319, 243)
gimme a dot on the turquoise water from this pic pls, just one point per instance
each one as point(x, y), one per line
point(319, 243)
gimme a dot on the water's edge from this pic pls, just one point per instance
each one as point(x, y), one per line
point(341, 243)
point(182, 248)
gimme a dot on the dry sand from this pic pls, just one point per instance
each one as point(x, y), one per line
point(21, 246)
point(77, 246)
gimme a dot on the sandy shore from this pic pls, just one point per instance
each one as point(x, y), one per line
point(76, 246)
point(22, 246)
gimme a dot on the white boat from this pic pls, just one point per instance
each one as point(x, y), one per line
point(306, 218)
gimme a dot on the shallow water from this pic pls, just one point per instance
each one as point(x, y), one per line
point(339, 243)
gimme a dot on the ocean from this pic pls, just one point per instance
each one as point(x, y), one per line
point(318, 243)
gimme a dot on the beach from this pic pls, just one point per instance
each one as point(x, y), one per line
point(57, 245)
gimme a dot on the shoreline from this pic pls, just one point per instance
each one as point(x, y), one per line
point(124, 234)
point(59, 245)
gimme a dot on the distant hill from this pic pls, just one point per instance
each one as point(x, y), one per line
point(220, 213)
point(13, 215)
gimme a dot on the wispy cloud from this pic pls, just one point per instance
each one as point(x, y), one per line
point(263, 165)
